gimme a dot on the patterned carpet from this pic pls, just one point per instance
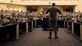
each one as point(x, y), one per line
point(40, 38)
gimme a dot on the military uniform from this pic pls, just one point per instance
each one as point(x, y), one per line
point(53, 20)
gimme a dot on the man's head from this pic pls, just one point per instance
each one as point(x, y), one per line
point(53, 4)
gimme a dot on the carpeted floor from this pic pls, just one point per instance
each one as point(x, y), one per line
point(40, 38)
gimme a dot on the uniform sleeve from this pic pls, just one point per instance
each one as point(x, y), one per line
point(59, 11)
point(47, 11)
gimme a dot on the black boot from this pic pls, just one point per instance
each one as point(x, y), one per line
point(50, 37)
point(56, 37)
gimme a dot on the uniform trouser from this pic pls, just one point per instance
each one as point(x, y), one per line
point(53, 27)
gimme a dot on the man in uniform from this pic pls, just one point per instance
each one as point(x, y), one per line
point(53, 20)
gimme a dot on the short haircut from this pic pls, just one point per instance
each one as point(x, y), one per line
point(53, 4)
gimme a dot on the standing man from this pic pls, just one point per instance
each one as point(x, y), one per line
point(53, 20)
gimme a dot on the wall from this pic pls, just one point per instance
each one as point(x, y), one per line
point(2, 6)
point(5, 1)
point(37, 2)
point(79, 6)
point(40, 9)
point(46, 2)
point(12, 7)
point(16, 7)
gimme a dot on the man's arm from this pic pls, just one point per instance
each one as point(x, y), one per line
point(59, 11)
point(47, 11)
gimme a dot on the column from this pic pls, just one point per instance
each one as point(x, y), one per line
point(17, 31)
point(26, 27)
point(80, 31)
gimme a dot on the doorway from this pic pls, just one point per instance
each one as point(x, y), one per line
point(68, 9)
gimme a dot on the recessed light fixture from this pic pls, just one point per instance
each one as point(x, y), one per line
point(11, 1)
point(49, 2)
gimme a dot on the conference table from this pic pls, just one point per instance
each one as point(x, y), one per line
point(13, 30)
point(75, 28)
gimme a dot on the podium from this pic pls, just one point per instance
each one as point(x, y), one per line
point(45, 23)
